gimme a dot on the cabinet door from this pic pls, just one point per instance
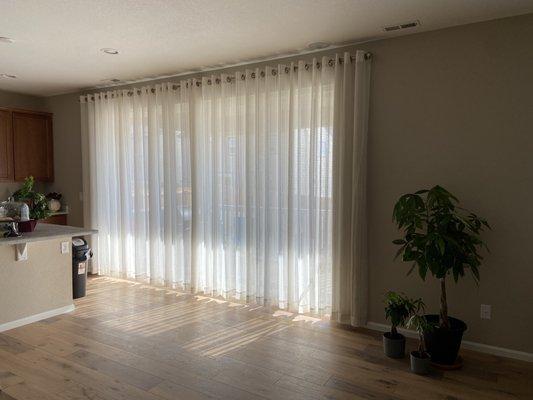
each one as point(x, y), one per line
point(6, 146)
point(60, 219)
point(33, 146)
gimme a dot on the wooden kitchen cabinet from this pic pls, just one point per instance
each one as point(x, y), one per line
point(32, 145)
point(58, 219)
point(6, 146)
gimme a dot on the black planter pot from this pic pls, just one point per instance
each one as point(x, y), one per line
point(420, 363)
point(444, 344)
point(394, 345)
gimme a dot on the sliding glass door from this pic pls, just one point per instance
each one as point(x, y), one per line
point(229, 185)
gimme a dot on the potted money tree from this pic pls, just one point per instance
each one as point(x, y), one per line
point(441, 239)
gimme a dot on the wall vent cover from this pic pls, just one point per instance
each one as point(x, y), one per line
point(398, 27)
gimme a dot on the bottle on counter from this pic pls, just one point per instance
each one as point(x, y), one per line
point(24, 212)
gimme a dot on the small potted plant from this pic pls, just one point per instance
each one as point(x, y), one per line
point(420, 358)
point(398, 308)
point(36, 202)
point(443, 239)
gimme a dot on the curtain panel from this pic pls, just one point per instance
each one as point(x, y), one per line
point(249, 186)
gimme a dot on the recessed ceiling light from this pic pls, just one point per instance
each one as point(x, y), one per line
point(109, 50)
point(4, 39)
point(318, 45)
point(8, 76)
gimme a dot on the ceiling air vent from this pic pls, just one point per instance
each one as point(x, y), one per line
point(405, 25)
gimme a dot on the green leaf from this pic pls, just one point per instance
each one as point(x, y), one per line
point(455, 275)
point(438, 234)
point(442, 245)
point(400, 250)
point(475, 271)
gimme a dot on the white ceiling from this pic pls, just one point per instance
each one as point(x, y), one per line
point(56, 48)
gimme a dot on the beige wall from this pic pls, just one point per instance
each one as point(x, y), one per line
point(41, 283)
point(16, 100)
point(452, 107)
point(455, 107)
point(67, 153)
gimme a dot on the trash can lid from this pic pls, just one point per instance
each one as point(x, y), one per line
point(78, 242)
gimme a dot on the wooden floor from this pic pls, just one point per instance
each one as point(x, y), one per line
point(128, 341)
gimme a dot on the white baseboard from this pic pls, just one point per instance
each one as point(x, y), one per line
point(466, 344)
point(37, 317)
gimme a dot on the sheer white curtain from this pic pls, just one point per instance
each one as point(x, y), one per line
point(249, 185)
point(140, 183)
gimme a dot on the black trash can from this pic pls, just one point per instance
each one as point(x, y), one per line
point(81, 253)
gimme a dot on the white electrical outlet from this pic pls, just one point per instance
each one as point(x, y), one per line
point(486, 311)
point(65, 246)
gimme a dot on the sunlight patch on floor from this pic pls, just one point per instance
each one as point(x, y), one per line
point(233, 325)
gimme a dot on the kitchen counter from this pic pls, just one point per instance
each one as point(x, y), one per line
point(36, 274)
point(47, 232)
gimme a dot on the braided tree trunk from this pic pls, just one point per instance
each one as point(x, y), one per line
point(421, 345)
point(394, 331)
point(444, 322)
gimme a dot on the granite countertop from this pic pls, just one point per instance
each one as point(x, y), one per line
point(47, 231)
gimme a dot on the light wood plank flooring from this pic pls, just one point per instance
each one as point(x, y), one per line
point(128, 341)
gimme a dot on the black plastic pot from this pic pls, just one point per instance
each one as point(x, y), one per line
point(394, 345)
point(444, 344)
point(420, 363)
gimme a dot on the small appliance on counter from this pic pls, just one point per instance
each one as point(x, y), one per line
point(12, 213)
point(12, 209)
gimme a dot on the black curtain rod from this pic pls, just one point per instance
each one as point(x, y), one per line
point(262, 74)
